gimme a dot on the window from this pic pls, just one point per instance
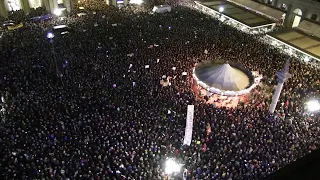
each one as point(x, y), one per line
point(270, 2)
point(35, 3)
point(283, 6)
point(314, 17)
point(14, 5)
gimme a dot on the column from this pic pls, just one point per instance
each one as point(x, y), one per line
point(289, 14)
point(46, 4)
point(113, 2)
point(51, 8)
point(67, 4)
point(25, 6)
point(305, 14)
point(275, 3)
point(53, 5)
point(283, 76)
point(3, 9)
point(276, 97)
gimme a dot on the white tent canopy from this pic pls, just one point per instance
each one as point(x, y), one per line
point(223, 77)
point(265, 10)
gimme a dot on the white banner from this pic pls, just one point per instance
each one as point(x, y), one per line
point(189, 126)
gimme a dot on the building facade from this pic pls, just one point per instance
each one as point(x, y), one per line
point(296, 10)
point(26, 5)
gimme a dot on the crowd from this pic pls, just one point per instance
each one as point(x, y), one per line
point(103, 114)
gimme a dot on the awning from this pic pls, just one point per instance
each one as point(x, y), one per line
point(248, 18)
point(298, 40)
point(310, 28)
point(266, 10)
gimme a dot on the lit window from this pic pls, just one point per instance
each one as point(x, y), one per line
point(14, 5)
point(35, 3)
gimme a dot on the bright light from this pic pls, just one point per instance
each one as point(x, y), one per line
point(138, 2)
point(50, 35)
point(306, 59)
point(172, 167)
point(57, 12)
point(221, 9)
point(313, 105)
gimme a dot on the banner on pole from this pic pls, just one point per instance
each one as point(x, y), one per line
point(189, 126)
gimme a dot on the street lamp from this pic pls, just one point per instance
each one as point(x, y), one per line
point(313, 105)
point(57, 12)
point(172, 167)
point(221, 9)
point(50, 36)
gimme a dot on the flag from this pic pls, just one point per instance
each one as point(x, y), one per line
point(208, 129)
point(205, 147)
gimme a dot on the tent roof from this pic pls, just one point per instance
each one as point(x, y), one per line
point(222, 76)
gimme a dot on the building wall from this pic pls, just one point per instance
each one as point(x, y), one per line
point(50, 5)
point(25, 5)
point(310, 9)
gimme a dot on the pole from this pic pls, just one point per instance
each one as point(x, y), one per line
point(276, 97)
point(282, 77)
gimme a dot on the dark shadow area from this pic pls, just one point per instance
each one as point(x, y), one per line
point(306, 168)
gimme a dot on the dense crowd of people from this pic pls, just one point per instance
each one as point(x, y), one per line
point(88, 104)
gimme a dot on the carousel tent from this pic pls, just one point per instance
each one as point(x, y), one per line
point(223, 77)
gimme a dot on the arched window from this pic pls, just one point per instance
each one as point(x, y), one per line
point(314, 17)
point(13, 5)
point(35, 3)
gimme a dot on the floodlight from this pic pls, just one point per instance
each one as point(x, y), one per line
point(138, 2)
point(221, 9)
point(57, 12)
point(172, 167)
point(50, 35)
point(313, 105)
